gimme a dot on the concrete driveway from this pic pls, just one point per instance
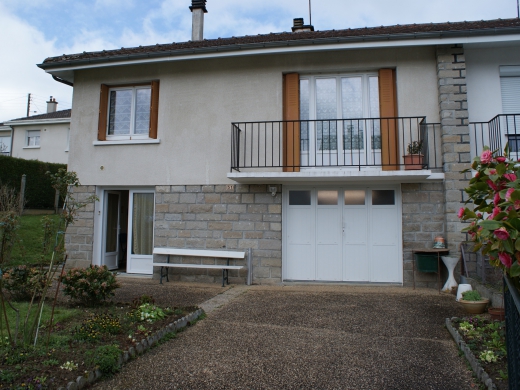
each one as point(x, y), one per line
point(320, 337)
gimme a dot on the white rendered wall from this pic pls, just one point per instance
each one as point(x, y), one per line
point(483, 79)
point(53, 143)
point(198, 100)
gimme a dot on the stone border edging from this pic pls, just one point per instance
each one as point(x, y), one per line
point(473, 362)
point(139, 349)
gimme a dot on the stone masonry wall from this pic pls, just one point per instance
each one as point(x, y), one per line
point(79, 236)
point(225, 217)
point(453, 108)
point(423, 220)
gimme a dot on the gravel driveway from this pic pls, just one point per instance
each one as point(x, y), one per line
point(320, 337)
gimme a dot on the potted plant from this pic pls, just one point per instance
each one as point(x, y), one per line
point(473, 303)
point(414, 159)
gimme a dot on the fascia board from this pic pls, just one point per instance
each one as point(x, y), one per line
point(391, 41)
point(29, 122)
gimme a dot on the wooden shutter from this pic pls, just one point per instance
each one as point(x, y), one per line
point(389, 127)
point(154, 109)
point(291, 130)
point(103, 113)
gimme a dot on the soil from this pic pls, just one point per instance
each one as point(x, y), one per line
point(40, 368)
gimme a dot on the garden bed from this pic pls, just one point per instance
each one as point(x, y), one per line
point(483, 342)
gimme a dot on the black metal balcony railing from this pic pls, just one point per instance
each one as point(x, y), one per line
point(502, 129)
point(357, 143)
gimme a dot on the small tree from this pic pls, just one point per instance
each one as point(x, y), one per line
point(494, 216)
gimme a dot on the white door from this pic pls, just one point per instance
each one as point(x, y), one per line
point(111, 229)
point(343, 234)
point(140, 228)
point(299, 238)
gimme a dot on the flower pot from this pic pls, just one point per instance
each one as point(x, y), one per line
point(474, 307)
point(497, 313)
point(413, 162)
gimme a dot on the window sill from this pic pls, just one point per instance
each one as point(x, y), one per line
point(31, 147)
point(127, 142)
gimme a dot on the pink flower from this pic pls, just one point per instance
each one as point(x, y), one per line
point(492, 185)
point(510, 176)
point(460, 214)
point(492, 171)
point(496, 200)
point(501, 233)
point(495, 212)
point(517, 204)
point(505, 259)
point(500, 159)
point(479, 215)
point(508, 194)
point(486, 157)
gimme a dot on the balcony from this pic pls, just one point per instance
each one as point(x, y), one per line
point(333, 148)
point(501, 130)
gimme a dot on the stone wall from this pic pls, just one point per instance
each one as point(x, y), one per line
point(79, 236)
point(453, 108)
point(225, 217)
point(423, 220)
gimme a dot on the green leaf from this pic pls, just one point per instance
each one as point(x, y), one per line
point(490, 224)
point(501, 169)
point(514, 271)
point(513, 222)
point(515, 195)
point(508, 245)
point(517, 245)
point(500, 216)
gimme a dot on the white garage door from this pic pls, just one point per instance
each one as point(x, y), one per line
point(342, 234)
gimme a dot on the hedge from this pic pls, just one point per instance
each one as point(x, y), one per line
point(39, 193)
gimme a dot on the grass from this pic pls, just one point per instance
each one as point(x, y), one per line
point(28, 248)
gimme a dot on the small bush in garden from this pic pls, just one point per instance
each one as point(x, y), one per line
point(90, 285)
point(106, 358)
point(136, 302)
point(23, 281)
point(94, 328)
point(472, 295)
point(149, 313)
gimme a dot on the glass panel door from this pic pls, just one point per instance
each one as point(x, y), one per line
point(141, 223)
point(326, 126)
point(111, 230)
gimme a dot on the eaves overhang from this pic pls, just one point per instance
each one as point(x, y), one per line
point(29, 122)
point(65, 69)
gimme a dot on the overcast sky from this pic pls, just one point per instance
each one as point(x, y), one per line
point(33, 30)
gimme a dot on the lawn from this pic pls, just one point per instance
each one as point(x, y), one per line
point(29, 243)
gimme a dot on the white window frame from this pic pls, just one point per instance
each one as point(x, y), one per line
point(30, 134)
point(7, 150)
point(131, 135)
point(68, 140)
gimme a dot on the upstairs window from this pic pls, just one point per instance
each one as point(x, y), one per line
point(128, 112)
point(32, 139)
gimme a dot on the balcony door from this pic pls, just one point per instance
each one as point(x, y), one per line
point(140, 226)
point(340, 131)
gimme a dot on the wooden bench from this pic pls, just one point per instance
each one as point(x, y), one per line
point(198, 253)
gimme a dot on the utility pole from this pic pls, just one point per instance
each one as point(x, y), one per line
point(310, 13)
point(28, 104)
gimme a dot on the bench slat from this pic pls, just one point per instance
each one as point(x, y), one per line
point(197, 266)
point(199, 253)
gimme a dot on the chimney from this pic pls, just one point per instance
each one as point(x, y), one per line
point(298, 26)
point(198, 9)
point(52, 105)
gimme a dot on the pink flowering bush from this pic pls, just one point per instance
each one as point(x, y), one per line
point(91, 285)
point(494, 214)
point(23, 282)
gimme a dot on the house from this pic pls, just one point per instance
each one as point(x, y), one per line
point(43, 137)
point(291, 144)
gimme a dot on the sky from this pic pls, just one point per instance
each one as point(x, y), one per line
point(33, 30)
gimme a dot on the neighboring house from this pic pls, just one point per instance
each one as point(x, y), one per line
point(42, 137)
point(6, 133)
point(291, 144)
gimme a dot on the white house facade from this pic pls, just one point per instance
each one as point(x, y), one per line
point(290, 144)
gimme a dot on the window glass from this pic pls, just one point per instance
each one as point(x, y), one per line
point(304, 115)
point(327, 198)
point(352, 102)
point(5, 145)
point(120, 113)
point(375, 129)
point(33, 138)
point(514, 143)
point(142, 111)
point(383, 197)
point(299, 198)
point(354, 197)
point(326, 108)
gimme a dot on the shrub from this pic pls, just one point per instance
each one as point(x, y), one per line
point(90, 285)
point(106, 358)
point(472, 295)
point(95, 327)
point(23, 281)
point(149, 313)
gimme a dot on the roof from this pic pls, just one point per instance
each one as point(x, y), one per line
point(51, 115)
point(382, 33)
